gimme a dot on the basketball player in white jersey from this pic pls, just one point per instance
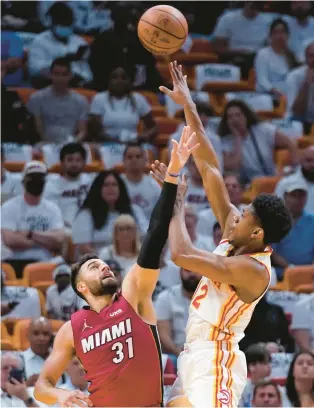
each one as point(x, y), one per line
point(212, 369)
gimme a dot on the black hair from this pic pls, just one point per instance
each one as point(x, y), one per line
point(98, 207)
point(290, 57)
point(133, 144)
point(256, 353)
point(266, 383)
point(61, 13)
point(251, 116)
point(274, 217)
point(63, 62)
point(75, 270)
point(292, 393)
point(71, 148)
point(130, 73)
point(204, 108)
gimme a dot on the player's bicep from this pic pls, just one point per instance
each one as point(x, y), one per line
point(139, 282)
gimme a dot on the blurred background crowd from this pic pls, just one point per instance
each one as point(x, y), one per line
point(82, 119)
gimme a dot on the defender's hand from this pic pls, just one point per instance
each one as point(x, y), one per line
point(158, 172)
point(70, 398)
point(180, 93)
point(181, 151)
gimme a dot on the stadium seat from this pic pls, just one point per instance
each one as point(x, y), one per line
point(278, 111)
point(280, 381)
point(305, 141)
point(282, 158)
point(260, 185)
point(38, 272)
point(7, 345)
point(88, 93)
point(299, 275)
point(24, 93)
point(243, 85)
point(4, 332)
point(188, 70)
point(14, 166)
point(9, 271)
point(305, 288)
point(167, 125)
point(42, 286)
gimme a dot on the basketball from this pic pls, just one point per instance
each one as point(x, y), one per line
point(162, 30)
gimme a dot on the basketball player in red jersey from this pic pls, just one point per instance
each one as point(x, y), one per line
point(115, 337)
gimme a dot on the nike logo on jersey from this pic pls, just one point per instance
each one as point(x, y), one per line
point(116, 313)
point(86, 326)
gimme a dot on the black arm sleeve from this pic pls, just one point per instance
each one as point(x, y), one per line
point(157, 233)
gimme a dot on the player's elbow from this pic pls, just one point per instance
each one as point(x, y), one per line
point(178, 255)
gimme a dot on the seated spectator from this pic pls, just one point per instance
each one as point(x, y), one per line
point(61, 300)
point(172, 309)
point(93, 226)
point(241, 33)
point(206, 218)
point(297, 248)
point(304, 174)
point(196, 196)
point(273, 63)
point(13, 393)
point(142, 188)
point(69, 189)
point(300, 381)
point(11, 183)
point(266, 393)
point(301, 26)
point(17, 125)
point(60, 113)
point(268, 324)
point(248, 144)
point(126, 243)
point(118, 112)
point(12, 52)
point(169, 273)
point(302, 325)
point(300, 85)
point(116, 269)
point(59, 41)
point(32, 227)
point(76, 379)
point(19, 302)
point(259, 368)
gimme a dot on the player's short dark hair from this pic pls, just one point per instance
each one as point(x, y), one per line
point(274, 216)
point(75, 270)
point(256, 353)
point(133, 144)
point(266, 383)
point(71, 148)
point(61, 13)
point(61, 61)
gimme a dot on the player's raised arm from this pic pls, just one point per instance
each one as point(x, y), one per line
point(140, 282)
point(205, 157)
point(55, 365)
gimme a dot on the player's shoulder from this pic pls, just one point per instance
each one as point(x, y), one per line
point(65, 334)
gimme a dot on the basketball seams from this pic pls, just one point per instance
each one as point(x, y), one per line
point(158, 28)
point(143, 41)
point(172, 15)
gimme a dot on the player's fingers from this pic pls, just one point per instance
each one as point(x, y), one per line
point(165, 90)
point(175, 71)
point(191, 140)
point(171, 70)
point(184, 179)
point(77, 401)
point(163, 166)
point(185, 78)
point(174, 145)
point(191, 149)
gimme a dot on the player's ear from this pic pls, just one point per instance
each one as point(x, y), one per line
point(81, 287)
point(258, 233)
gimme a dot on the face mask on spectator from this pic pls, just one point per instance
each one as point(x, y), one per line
point(34, 184)
point(63, 31)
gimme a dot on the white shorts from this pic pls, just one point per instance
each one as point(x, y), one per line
point(210, 374)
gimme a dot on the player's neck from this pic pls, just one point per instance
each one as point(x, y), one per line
point(98, 303)
point(251, 248)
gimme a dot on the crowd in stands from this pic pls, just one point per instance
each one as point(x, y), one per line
point(83, 119)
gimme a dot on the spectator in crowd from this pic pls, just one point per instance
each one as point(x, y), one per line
point(297, 248)
point(273, 63)
point(59, 41)
point(92, 228)
point(248, 144)
point(303, 323)
point(116, 269)
point(12, 52)
point(217, 234)
point(305, 174)
point(11, 183)
point(61, 300)
point(116, 113)
point(60, 113)
point(266, 393)
point(172, 307)
point(268, 324)
point(126, 243)
point(301, 27)
point(32, 227)
point(69, 189)
point(300, 85)
point(239, 34)
point(169, 273)
point(300, 380)
point(13, 392)
point(207, 219)
point(259, 368)
point(76, 379)
point(18, 125)
point(196, 196)
point(40, 339)
point(142, 188)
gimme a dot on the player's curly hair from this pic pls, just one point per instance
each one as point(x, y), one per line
point(274, 217)
point(75, 270)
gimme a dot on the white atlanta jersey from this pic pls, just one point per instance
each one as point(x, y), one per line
point(216, 311)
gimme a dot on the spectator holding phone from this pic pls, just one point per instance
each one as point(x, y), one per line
point(59, 41)
point(13, 387)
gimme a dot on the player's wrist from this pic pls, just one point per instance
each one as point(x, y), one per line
point(173, 169)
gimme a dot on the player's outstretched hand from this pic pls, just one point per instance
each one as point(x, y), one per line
point(181, 151)
point(72, 398)
point(158, 172)
point(180, 93)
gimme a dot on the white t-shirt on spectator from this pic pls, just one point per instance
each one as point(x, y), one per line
point(68, 194)
point(17, 215)
point(242, 33)
point(299, 35)
point(46, 48)
point(169, 275)
point(11, 186)
point(120, 119)
point(271, 70)
point(172, 305)
point(126, 263)
point(303, 316)
point(196, 197)
point(145, 193)
point(295, 80)
point(63, 304)
point(29, 302)
point(10, 401)
point(201, 242)
point(83, 230)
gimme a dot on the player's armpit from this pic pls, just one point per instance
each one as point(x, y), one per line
point(248, 276)
point(55, 365)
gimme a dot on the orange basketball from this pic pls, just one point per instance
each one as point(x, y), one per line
point(162, 30)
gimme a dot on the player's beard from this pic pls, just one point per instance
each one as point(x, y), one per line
point(107, 287)
point(190, 285)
